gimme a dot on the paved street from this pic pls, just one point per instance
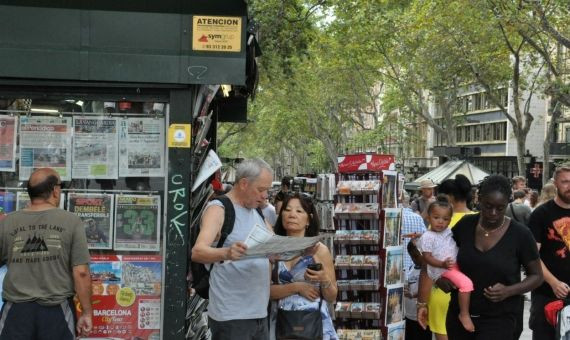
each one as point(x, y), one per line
point(527, 334)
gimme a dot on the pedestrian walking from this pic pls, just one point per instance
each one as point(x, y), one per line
point(550, 224)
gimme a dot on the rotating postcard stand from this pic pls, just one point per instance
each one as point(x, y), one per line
point(368, 250)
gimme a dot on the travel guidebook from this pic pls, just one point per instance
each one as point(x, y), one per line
point(96, 212)
point(126, 296)
point(137, 222)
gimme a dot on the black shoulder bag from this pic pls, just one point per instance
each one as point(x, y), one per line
point(299, 325)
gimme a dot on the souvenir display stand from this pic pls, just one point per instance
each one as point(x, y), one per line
point(368, 250)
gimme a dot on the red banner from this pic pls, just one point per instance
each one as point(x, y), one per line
point(126, 296)
point(365, 162)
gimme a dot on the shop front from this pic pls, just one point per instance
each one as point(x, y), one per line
point(122, 100)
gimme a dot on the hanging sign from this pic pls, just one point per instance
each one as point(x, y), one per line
point(219, 34)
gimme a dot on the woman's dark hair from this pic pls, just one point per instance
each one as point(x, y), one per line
point(459, 188)
point(308, 206)
point(442, 202)
point(43, 189)
point(495, 183)
point(519, 194)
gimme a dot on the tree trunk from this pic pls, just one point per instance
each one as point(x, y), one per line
point(548, 138)
point(521, 143)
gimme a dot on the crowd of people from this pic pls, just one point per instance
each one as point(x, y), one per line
point(472, 255)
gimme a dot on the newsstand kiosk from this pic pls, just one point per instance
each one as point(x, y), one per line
point(122, 99)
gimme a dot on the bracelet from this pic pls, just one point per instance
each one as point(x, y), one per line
point(421, 304)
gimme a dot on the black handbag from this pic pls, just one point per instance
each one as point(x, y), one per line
point(299, 325)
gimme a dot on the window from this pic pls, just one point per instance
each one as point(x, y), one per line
point(477, 101)
point(477, 133)
point(467, 132)
point(458, 135)
point(500, 131)
point(488, 132)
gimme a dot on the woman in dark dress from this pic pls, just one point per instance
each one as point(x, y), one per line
point(492, 249)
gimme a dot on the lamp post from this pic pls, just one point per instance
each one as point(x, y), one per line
point(527, 157)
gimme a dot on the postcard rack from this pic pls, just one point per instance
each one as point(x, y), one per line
point(368, 256)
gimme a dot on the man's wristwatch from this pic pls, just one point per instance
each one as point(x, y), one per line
point(421, 304)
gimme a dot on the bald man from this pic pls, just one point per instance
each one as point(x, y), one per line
point(45, 249)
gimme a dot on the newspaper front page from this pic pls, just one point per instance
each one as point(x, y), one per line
point(45, 142)
point(141, 147)
point(96, 212)
point(137, 222)
point(95, 148)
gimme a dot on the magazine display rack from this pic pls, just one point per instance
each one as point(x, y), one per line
point(368, 250)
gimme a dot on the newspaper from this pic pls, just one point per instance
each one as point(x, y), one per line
point(45, 142)
point(96, 212)
point(23, 200)
point(8, 126)
point(261, 242)
point(141, 147)
point(137, 222)
point(95, 148)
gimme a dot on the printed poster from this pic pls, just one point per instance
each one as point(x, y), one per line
point(8, 126)
point(96, 212)
point(141, 147)
point(95, 148)
point(396, 331)
point(393, 270)
point(45, 142)
point(137, 222)
point(389, 189)
point(392, 223)
point(23, 200)
point(126, 296)
point(394, 305)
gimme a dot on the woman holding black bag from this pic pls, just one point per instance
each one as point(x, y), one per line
point(302, 286)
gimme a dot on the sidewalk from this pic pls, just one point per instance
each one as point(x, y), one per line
point(527, 333)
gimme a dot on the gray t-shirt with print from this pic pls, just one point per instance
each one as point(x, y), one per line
point(40, 249)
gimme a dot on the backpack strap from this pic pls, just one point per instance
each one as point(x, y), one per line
point(513, 212)
point(229, 219)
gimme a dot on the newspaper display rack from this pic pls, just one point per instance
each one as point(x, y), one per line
point(368, 250)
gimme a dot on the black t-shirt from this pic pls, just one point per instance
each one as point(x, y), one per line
point(500, 264)
point(550, 225)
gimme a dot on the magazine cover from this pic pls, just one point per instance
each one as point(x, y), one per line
point(394, 264)
point(126, 296)
point(8, 128)
point(394, 305)
point(137, 222)
point(7, 203)
point(389, 189)
point(96, 212)
point(392, 223)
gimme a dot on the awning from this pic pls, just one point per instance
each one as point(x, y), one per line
point(449, 170)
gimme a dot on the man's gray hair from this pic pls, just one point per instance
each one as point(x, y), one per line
point(250, 169)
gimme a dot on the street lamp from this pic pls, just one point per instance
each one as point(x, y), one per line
point(527, 158)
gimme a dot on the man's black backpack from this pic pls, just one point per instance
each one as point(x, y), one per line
point(201, 274)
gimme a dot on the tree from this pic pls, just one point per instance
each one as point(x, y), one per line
point(544, 26)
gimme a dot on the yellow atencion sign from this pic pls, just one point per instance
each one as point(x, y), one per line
point(179, 136)
point(219, 34)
